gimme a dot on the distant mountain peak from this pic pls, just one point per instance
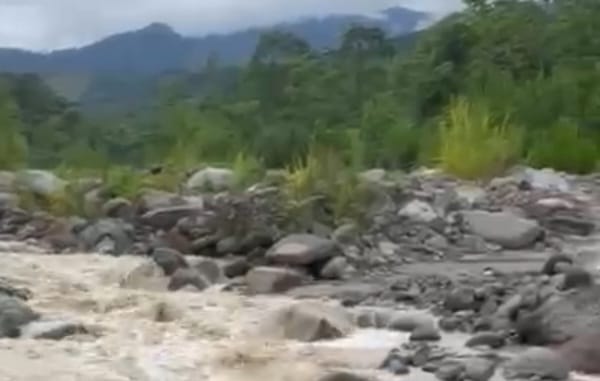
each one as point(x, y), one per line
point(158, 28)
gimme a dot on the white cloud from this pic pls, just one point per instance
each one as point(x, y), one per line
point(53, 24)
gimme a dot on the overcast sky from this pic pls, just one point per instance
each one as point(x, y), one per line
point(54, 24)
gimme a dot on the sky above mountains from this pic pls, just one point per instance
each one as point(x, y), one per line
point(43, 25)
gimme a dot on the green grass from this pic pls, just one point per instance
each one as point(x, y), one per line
point(474, 145)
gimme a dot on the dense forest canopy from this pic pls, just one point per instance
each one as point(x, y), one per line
point(519, 80)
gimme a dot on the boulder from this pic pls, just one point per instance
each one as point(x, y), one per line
point(425, 332)
point(166, 218)
point(302, 250)
point(169, 260)
point(110, 236)
point(14, 314)
point(118, 208)
point(145, 276)
point(419, 211)
point(335, 268)
point(537, 363)
point(479, 368)
point(504, 229)
point(150, 199)
point(211, 179)
point(582, 353)
point(209, 269)
point(493, 340)
point(460, 299)
point(562, 317)
point(409, 321)
point(40, 182)
point(266, 280)
point(52, 329)
point(545, 179)
point(184, 277)
point(311, 321)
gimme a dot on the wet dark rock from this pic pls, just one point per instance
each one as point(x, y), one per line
point(265, 280)
point(169, 260)
point(425, 332)
point(184, 277)
point(582, 353)
point(111, 236)
point(209, 269)
point(539, 363)
point(479, 369)
point(14, 314)
point(409, 321)
point(450, 371)
point(335, 268)
point(396, 363)
point(550, 265)
point(6, 289)
point(576, 277)
point(561, 318)
point(52, 330)
point(493, 340)
point(450, 323)
point(229, 245)
point(237, 267)
point(343, 376)
point(460, 299)
point(570, 225)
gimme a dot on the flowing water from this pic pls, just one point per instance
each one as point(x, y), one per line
point(151, 335)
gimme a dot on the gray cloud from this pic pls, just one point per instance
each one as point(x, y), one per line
point(53, 24)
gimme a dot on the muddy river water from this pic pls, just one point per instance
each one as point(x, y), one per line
point(145, 334)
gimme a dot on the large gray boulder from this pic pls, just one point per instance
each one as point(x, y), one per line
point(419, 211)
point(562, 317)
point(545, 179)
point(302, 250)
point(109, 236)
point(312, 321)
point(14, 314)
point(214, 179)
point(40, 182)
point(537, 363)
point(267, 280)
point(504, 229)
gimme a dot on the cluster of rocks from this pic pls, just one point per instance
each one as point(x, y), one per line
point(17, 319)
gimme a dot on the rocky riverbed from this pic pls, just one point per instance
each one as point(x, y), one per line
point(445, 280)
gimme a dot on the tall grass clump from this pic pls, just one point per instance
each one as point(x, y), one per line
point(473, 144)
point(247, 169)
point(564, 147)
point(321, 176)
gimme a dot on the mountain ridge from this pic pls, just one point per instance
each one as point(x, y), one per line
point(158, 48)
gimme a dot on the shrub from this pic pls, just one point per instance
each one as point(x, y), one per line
point(564, 147)
point(472, 144)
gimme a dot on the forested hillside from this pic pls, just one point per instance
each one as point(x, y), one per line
point(499, 83)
